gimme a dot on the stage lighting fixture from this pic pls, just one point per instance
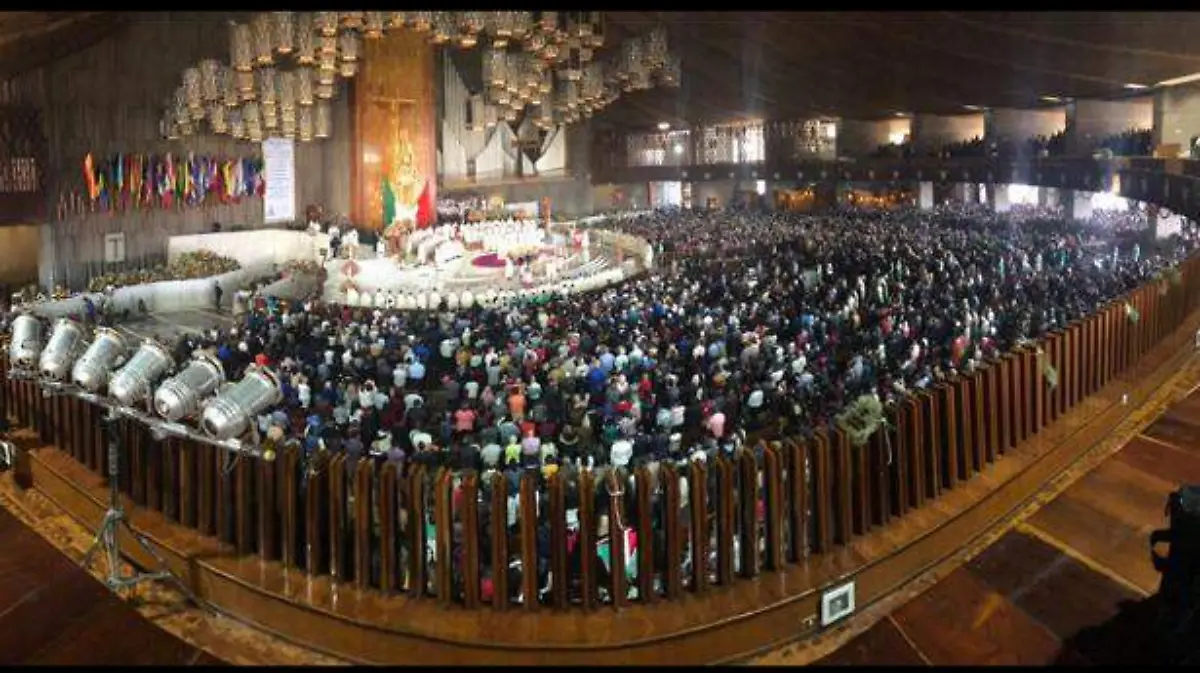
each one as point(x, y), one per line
point(93, 369)
point(26, 341)
point(179, 396)
point(231, 412)
point(65, 344)
point(134, 382)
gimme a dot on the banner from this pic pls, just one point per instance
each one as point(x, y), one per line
point(279, 201)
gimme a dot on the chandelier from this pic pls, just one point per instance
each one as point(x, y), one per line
point(552, 67)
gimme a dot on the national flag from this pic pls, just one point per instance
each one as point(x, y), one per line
point(89, 177)
point(389, 203)
point(426, 210)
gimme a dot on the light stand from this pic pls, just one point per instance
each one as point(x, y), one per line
point(108, 532)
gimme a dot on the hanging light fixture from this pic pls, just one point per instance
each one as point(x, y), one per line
point(305, 39)
point(263, 32)
point(421, 21)
point(672, 73)
point(251, 116)
point(326, 24)
point(304, 86)
point(217, 120)
point(167, 129)
point(596, 39)
point(573, 64)
point(192, 90)
point(470, 25)
point(351, 20)
point(286, 83)
point(396, 20)
point(373, 25)
point(229, 90)
point(210, 86)
point(237, 126)
point(501, 28)
point(322, 120)
point(241, 53)
point(327, 68)
point(267, 87)
point(283, 28)
point(547, 23)
point(324, 90)
point(287, 127)
point(522, 24)
point(443, 27)
point(304, 124)
point(269, 114)
point(348, 69)
point(477, 113)
point(495, 67)
point(348, 43)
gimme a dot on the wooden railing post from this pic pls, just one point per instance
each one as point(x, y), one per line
point(698, 493)
point(774, 496)
point(673, 528)
point(527, 524)
point(823, 507)
point(471, 552)
point(749, 498)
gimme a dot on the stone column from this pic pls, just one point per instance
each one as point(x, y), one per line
point(1081, 205)
point(925, 196)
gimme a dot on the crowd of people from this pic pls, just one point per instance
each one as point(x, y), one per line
point(974, 148)
point(753, 322)
point(1131, 143)
point(1037, 147)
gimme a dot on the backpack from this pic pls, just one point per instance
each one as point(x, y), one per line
point(1179, 589)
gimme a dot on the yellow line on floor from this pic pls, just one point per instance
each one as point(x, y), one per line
point(1091, 564)
point(909, 640)
point(1155, 440)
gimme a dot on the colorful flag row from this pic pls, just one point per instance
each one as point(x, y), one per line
point(124, 182)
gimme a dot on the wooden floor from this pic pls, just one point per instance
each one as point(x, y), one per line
point(54, 612)
point(1071, 584)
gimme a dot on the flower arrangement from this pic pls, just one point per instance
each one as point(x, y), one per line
point(188, 266)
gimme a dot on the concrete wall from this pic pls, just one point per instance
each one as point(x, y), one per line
point(860, 138)
point(1095, 120)
point(1018, 125)
point(1180, 114)
point(622, 197)
point(722, 190)
point(18, 263)
point(109, 97)
point(933, 131)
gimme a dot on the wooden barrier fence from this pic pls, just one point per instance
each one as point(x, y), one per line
point(644, 535)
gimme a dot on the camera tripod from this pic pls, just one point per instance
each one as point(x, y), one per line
point(108, 533)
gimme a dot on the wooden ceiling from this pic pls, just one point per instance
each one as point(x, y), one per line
point(868, 65)
point(32, 39)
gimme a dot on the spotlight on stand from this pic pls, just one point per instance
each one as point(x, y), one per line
point(93, 369)
point(230, 414)
point(134, 382)
point(66, 342)
point(26, 341)
point(179, 396)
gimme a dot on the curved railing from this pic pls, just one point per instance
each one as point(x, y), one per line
point(362, 561)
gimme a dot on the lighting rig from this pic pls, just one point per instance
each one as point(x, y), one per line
point(102, 372)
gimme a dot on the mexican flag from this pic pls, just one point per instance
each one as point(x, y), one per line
point(389, 203)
